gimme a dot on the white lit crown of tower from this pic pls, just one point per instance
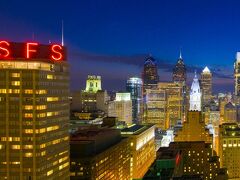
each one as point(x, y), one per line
point(195, 95)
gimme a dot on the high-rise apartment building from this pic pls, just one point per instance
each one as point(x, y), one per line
point(237, 74)
point(34, 116)
point(134, 86)
point(206, 85)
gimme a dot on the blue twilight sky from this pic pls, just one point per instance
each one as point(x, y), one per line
point(112, 38)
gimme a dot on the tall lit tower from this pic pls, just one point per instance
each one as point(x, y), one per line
point(150, 73)
point(195, 95)
point(179, 71)
point(237, 74)
point(34, 115)
point(206, 85)
point(134, 86)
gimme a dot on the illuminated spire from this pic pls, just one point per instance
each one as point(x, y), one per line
point(206, 70)
point(180, 54)
point(62, 34)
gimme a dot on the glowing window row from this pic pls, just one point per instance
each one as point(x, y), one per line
point(38, 107)
point(48, 114)
point(26, 91)
point(56, 141)
point(42, 130)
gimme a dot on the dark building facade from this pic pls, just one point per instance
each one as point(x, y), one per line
point(150, 73)
point(179, 71)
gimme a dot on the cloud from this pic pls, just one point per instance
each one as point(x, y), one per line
point(125, 64)
point(138, 60)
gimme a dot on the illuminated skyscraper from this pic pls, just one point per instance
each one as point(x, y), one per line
point(195, 95)
point(155, 108)
point(123, 107)
point(91, 99)
point(237, 74)
point(174, 102)
point(179, 71)
point(229, 149)
point(134, 86)
point(34, 116)
point(150, 73)
point(142, 148)
point(206, 85)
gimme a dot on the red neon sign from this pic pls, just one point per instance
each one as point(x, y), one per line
point(31, 50)
point(57, 50)
point(4, 52)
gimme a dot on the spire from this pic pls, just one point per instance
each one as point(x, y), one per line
point(206, 70)
point(180, 54)
point(62, 34)
point(195, 74)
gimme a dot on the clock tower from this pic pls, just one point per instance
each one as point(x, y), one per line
point(195, 95)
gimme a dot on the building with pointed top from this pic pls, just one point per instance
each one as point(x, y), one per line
point(206, 85)
point(237, 74)
point(150, 73)
point(195, 95)
point(179, 71)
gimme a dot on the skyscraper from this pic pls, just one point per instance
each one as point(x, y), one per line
point(134, 86)
point(123, 107)
point(206, 85)
point(179, 71)
point(195, 95)
point(34, 91)
point(150, 73)
point(237, 74)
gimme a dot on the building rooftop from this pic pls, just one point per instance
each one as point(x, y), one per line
point(135, 129)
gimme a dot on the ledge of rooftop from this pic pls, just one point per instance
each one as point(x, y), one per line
point(136, 129)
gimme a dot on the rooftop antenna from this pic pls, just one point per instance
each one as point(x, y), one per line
point(62, 34)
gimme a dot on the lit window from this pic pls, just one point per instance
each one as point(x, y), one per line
point(49, 76)
point(15, 83)
point(15, 74)
point(15, 146)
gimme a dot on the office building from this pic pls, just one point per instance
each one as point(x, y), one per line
point(134, 86)
point(237, 74)
point(123, 107)
point(174, 101)
point(150, 73)
point(230, 113)
point(142, 148)
point(229, 149)
point(34, 92)
point(179, 71)
point(91, 99)
point(155, 108)
point(206, 86)
point(99, 153)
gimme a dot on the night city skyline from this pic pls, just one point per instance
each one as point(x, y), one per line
point(120, 90)
point(107, 35)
